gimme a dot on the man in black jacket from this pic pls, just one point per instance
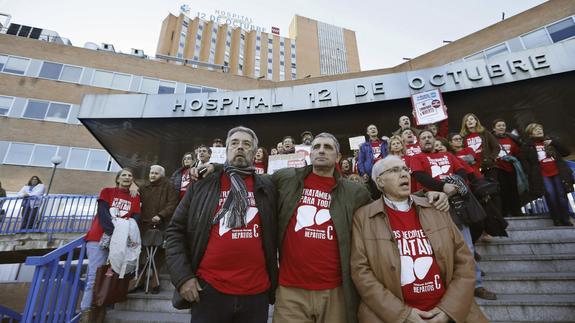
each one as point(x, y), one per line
point(221, 243)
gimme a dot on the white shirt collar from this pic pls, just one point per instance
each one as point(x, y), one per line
point(402, 206)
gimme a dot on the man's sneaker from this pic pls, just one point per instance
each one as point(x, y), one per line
point(485, 294)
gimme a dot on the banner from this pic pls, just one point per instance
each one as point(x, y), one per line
point(306, 150)
point(277, 162)
point(355, 142)
point(428, 107)
point(218, 155)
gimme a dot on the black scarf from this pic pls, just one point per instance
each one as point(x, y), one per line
point(236, 205)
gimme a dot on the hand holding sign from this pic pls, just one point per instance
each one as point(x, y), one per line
point(428, 107)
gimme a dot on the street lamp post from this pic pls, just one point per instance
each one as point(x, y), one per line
point(56, 160)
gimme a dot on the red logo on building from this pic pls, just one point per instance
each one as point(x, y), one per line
point(276, 31)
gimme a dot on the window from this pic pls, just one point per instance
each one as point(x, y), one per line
point(167, 87)
point(77, 158)
point(71, 74)
point(536, 39)
point(562, 30)
point(497, 50)
point(19, 153)
point(149, 85)
point(50, 70)
point(15, 65)
point(5, 104)
point(98, 160)
point(36, 110)
point(58, 112)
point(42, 155)
point(102, 78)
point(208, 89)
point(3, 60)
point(193, 89)
point(121, 81)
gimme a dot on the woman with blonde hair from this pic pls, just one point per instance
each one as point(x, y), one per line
point(485, 146)
point(549, 175)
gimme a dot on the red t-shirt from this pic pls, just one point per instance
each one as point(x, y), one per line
point(234, 261)
point(469, 168)
point(421, 283)
point(412, 149)
point(547, 163)
point(310, 253)
point(376, 148)
point(186, 181)
point(473, 141)
point(508, 147)
point(260, 167)
point(122, 205)
point(438, 165)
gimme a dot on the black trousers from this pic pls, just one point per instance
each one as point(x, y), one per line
point(29, 218)
point(215, 306)
point(510, 202)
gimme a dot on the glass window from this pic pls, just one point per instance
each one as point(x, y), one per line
point(77, 158)
point(98, 160)
point(562, 30)
point(121, 81)
point(36, 110)
point(5, 104)
point(50, 70)
point(536, 39)
point(19, 154)
point(71, 74)
point(193, 89)
point(102, 79)
point(58, 112)
point(149, 86)
point(16, 65)
point(167, 87)
point(497, 50)
point(114, 167)
point(208, 89)
point(3, 59)
point(42, 155)
point(475, 56)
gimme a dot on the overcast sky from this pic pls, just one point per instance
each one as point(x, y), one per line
point(386, 30)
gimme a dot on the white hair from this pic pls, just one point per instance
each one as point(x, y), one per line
point(159, 168)
point(378, 167)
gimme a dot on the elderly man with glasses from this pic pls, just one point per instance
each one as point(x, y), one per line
point(409, 261)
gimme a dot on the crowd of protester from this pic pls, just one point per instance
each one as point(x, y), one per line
point(483, 175)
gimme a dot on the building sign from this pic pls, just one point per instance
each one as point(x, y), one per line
point(234, 20)
point(428, 107)
point(276, 30)
point(277, 162)
point(502, 69)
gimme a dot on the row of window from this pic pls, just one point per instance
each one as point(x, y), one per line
point(100, 78)
point(29, 154)
point(38, 109)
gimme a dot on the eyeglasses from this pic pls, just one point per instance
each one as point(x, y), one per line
point(396, 170)
point(456, 139)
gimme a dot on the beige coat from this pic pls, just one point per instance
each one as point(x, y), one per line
point(376, 266)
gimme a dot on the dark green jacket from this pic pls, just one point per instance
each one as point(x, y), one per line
point(346, 198)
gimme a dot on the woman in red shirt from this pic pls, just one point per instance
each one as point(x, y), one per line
point(113, 202)
point(484, 145)
point(548, 174)
point(510, 148)
point(261, 161)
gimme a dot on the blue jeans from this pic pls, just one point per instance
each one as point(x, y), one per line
point(556, 198)
point(467, 237)
point(96, 258)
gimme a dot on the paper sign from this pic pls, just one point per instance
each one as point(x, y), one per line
point(355, 142)
point(428, 107)
point(304, 149)
point(277, 162)
point(218, 155)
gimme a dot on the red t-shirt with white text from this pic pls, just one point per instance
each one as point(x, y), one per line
point(186, 181)
point(234, 261)
point(421, 283)
point(260, 167)
point(438, 165)
point(508, 147)
point(547, 163)
point(468, 168)
point(412, 149)
point(310, 253)
point(474, 141)
point(376, 148)
point(122, 205)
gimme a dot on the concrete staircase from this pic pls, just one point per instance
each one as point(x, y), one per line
point(532, 272)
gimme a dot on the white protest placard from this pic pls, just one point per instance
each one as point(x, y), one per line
point(428, 107)
point(304, 149)
point(277, 162)
point(355, 142)
point(218, 155)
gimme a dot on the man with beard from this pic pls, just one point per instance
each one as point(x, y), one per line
point(431, 170)
point(306, 138)
point(288, 145)
point(404, 123)
point(221, 244)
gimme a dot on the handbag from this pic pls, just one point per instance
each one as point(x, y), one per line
point(109, 288)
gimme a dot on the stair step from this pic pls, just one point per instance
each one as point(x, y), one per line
point(140, 302)
point(526, 247)
point(530, 308)
point(529, 221)
point(119, 316)
point(527, 263)
point(530, 283)
point(539, 233)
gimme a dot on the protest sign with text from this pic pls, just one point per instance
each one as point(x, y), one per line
point(428, 107)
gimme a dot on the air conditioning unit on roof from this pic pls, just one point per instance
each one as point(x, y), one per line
point(138, 52)
point(107, 47)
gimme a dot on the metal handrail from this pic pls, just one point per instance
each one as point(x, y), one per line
point(47, 214)
point(8, 315)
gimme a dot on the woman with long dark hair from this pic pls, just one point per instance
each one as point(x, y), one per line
point(31, 193)
point(484, 145)
point(548, 174)
point(261, 161)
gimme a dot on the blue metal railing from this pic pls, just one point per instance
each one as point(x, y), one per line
point(56, 287)
point(8, 315)
point(47, 214)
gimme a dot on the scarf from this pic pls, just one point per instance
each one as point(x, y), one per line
point(236, 204)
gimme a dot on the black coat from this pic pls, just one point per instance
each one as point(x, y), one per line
point(530, 164)
point(188, 233)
